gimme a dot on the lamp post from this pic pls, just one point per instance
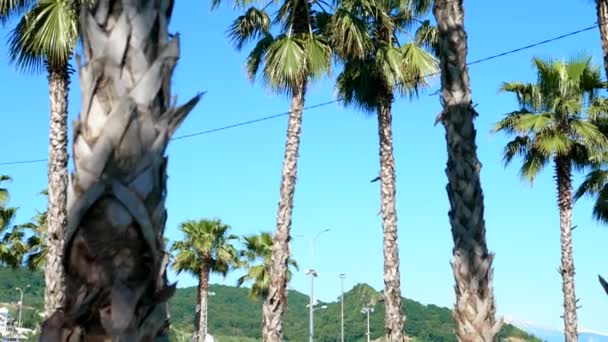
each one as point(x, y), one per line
point(366, 310)
point(20, 305)
point(209, 294)
point(312, 273)
point(342, 276)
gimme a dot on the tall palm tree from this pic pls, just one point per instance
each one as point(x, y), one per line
point(556, 122)
point(45, 38)
point(115, 257)
point(206, 248)
point(288, 62)
point(472, 262)
point(601, 8)
point(365, 35)
point(257, 259)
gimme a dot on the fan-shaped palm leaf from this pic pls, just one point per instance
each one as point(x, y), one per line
point(47, 33)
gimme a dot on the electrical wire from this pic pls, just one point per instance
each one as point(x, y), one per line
point(323, 104)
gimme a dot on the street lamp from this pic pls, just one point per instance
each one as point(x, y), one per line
point(342, 276)
point(311, 271)
point(20, 304)
point(210, 294)
point(366, 310)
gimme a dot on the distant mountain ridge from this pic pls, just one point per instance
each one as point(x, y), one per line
point(233, 314)
point(555, 335)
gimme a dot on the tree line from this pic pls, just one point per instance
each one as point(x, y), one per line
point(386, 50)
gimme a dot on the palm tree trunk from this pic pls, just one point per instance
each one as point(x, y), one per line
point(276, 301)
point(54, 276)
point(601, 7)
point(475, 309)
point(114, 254)
point(563, 176)
point(394, 318)
point(203, 295)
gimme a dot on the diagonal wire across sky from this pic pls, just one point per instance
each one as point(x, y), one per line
point(323, 104)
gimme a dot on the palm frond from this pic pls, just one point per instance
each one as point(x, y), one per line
point(349, 35)
point(427, 36)
point(254, 24)
point(48, 33)
point(11, 8)
point(594, 182)
point(532, 164)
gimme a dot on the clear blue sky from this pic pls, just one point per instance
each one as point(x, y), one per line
point(235, 174)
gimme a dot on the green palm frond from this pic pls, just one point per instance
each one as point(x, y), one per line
point(427, 36)
point(254, 24)
point(593, 184)
point(12, 8)
point(286, 64)
point(533, 163)
point(416, 65)
point(4, 194)
point(348, 34)
point(47, 33)
point(517, 147)
point(257, 255)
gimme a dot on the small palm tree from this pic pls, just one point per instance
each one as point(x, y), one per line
point(377, 66)
point(288, 62)
point(206, 248)
point(11, 244)
point(36, 242)
point(556, 122)
point(257, 259)
point(45, 38)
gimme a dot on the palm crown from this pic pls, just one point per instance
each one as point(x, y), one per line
point(365, 35)
point(558, 116)
point(257, 258)
point(205, 241)
point(47, 33)
point(296, 54)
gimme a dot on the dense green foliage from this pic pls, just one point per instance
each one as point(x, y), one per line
point(233, 313)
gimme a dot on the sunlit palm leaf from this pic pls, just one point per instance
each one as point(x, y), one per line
point(416, 65)
point(427, 36)
point(47, 33)
point(286, 64)
point(12, 8)
point(532, 164)
point(254, 24)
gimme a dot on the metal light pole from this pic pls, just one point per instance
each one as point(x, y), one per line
point(342, 276)
point(19, 323)
point(367, 310)
point(209, 294)
point(313, 274)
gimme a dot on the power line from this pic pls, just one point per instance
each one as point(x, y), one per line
point(323, 104)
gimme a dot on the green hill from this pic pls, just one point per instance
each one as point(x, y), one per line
point(233, 317)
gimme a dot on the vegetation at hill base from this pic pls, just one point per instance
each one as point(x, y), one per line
point(236, 317)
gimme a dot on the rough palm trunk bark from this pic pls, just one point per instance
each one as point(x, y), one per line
point(601, 7)
point(203, 295)
point(276, 301)
point(114, 254)
point(475, 309)
point(54, 275)
point(563, 177)
point(394, 319)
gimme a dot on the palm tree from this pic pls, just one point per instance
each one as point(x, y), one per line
point(45, 38)
point(8, 255)
point(289, 62)
point(556, 122)
point(472, 262)
point(115, 257)
point(257, 259)
point(365, 35)
point(601, 8)
point(207, 248)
